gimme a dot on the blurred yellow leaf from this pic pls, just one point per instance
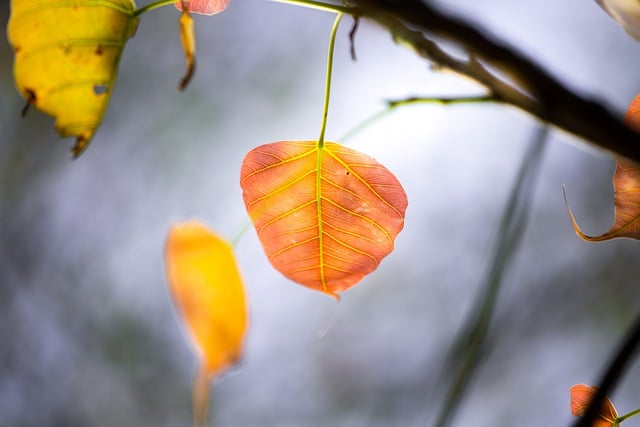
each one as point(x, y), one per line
point(207, 289)
point(66, 58)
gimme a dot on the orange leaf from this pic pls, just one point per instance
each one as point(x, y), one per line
point(626, 184)
point(581, 396)
point(326, 216)
point(207, 289)
point(203, 7)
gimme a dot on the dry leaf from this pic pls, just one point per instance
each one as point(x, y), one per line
point(626, 185)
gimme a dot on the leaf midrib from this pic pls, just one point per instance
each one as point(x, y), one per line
point(319, 150)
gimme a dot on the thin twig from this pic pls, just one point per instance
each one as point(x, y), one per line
point(393, 103)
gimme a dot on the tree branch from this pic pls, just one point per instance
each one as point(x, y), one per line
point(529, 87)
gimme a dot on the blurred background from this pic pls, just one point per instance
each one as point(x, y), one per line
point(88, 335)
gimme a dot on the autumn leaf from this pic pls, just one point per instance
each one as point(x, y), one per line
point(66, 58)
point(203, 7)
point(207, 289)
point(581, 396)
point(626, 184)
point(326, 216)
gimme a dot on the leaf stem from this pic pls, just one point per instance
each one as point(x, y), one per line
point(155, 5)
point(246, 225)
point(627, 416)
point(327, 87)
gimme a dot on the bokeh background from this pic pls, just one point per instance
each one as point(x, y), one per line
point(88, 335)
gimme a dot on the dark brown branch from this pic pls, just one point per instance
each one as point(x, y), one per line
point(529, 87)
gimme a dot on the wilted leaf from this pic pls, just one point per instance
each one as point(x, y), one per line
point(207, 289)
point(581, 396)
point(66, 58)
point(626, 185)
point(203, 7)
point(325, 216)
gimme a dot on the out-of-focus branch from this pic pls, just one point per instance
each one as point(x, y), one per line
point(525, 85)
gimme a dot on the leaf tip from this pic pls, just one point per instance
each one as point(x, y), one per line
point(574, 223)
point(82, 142)
point(186, 79)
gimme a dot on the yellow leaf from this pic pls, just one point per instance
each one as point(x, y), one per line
point(207, 289)
point(66, 58)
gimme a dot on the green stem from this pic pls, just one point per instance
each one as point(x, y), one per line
point(627, 416)
point(327, 87)
point(312, 4)
point(151, 6)
point(241, 230)
point(325, 107)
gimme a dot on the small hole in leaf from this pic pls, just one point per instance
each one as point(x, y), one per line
point(100, 89)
